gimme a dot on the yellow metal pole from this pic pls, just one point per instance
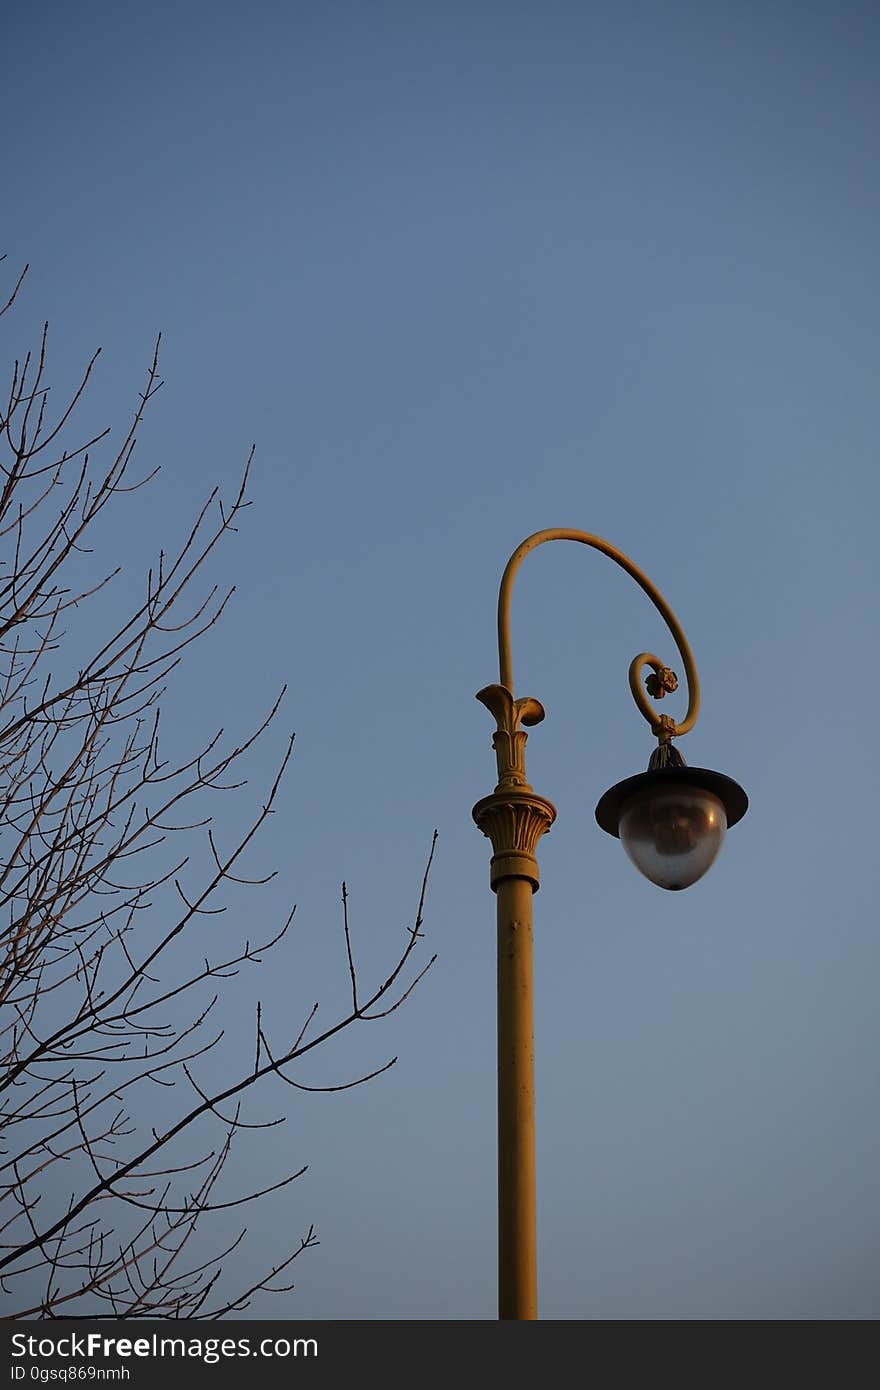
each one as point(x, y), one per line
point(517, 1225)
point(515, 818)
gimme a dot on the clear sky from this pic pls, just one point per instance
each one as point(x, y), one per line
point(463, 271)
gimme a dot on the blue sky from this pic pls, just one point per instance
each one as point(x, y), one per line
point(462, 272)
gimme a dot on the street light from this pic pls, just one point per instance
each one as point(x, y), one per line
point(671, 820)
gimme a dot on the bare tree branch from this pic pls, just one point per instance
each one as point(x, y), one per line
point(110, 858)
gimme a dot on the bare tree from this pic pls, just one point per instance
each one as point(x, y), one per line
point(98, 1206)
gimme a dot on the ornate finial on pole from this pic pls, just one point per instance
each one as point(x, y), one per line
point(509, 740)
point(514, 817)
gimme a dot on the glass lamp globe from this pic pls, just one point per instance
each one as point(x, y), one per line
point(672, 820)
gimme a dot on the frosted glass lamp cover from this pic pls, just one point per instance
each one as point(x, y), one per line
point(672, 821)
point(672, 835)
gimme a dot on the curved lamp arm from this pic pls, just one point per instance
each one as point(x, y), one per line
point(663, 679)
point(510, 713)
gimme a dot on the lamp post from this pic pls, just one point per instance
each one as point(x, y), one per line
point(671, 820)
